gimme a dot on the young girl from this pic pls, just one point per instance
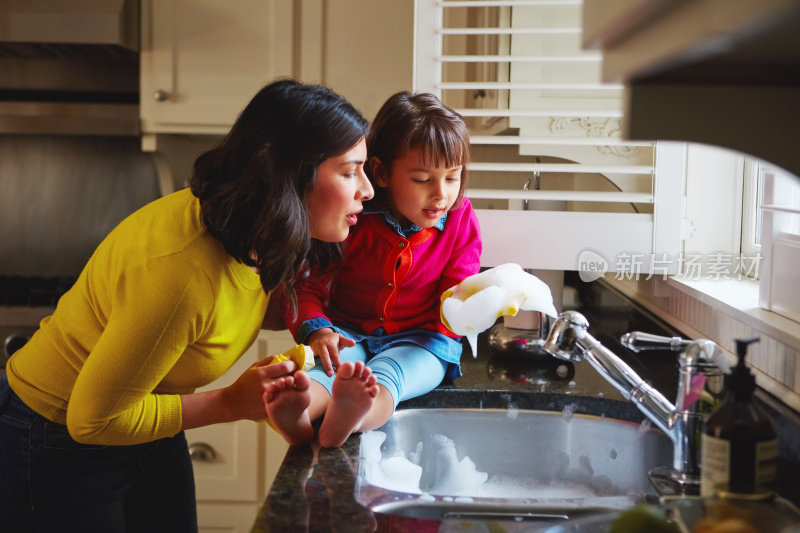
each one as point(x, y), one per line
point(375, 319)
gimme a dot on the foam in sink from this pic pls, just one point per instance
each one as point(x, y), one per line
point(439, 472)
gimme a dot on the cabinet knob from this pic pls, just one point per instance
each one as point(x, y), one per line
point(202, 452)
point(161, 95)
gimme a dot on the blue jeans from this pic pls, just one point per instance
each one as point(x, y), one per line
point(52, 483)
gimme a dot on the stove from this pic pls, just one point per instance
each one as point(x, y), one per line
point(24, 302)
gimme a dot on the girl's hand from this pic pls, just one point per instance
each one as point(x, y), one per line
point(326, 344)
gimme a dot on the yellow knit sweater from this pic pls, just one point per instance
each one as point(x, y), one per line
point(159, 310)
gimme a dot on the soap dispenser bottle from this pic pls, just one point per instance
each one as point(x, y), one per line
point(739, 444)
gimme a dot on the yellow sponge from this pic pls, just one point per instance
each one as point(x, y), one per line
point(300, 354)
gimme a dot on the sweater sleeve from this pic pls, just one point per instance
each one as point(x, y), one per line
point(157, 313)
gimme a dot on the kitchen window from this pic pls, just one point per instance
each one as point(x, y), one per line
point(777, 203)
point(752, 196)
point(697, 211)
point(548, 162)
point(758, 177)
point(742, 224)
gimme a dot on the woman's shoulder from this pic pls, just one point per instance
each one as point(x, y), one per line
point(181, 204)
point(167, 233)
point(167, 221)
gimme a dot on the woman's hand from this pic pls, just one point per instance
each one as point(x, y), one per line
point(326, 344)
point(242, 400)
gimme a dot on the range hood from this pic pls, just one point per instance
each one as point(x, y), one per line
point(65, 23)
point(69, 67)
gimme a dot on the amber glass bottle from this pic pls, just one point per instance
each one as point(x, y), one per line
point(739, 447)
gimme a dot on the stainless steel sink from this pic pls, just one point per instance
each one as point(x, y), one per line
point(464, 463)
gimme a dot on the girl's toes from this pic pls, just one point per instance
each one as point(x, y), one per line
point(301, 381)
point(347, 370)
point(366, 373)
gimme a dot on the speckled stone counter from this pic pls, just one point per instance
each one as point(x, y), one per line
point(313, 490)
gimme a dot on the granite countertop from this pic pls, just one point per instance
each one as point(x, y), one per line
point(313, 489)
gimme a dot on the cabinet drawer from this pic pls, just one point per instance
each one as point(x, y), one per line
point(203, 60)
point(225, 461)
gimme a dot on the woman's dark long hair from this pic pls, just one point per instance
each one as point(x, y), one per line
point(252, 186)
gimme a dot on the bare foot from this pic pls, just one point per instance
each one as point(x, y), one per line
point(352, 395)
point(286, 401)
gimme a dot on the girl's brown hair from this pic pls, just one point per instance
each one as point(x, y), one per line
point(407, 121)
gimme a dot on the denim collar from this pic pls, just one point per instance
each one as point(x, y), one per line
point(395, 225)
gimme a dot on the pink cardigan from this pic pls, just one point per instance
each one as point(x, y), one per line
point(392, 282)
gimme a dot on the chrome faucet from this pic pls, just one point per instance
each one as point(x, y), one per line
point(700, 384)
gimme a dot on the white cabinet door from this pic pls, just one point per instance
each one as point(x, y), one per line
point(235, 463)
point(224, 456)
point(362, 49)
point(275, 447)
point(203, 60)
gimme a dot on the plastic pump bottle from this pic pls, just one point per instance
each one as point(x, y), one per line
point(739, 444)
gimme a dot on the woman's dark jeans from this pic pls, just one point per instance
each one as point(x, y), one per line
point(49, 482)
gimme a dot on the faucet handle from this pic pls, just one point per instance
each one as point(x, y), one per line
point(638, 341)
point(703, 353)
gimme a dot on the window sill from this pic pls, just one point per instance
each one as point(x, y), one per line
point(740, 299)
point(725, 310)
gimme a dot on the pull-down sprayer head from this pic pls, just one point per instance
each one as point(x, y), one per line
point(562, 342)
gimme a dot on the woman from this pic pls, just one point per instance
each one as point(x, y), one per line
point(93, 409)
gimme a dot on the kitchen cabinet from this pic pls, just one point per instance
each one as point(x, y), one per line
point(235, 463)
point(732, 66)
point(203, 60)
point(362, 49)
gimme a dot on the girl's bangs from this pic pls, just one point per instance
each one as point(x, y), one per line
point(443, 143)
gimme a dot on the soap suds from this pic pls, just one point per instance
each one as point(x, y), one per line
point(443, 472)
point(474, 305)
point(512, 411)
point(437, 471)
point(568, 411)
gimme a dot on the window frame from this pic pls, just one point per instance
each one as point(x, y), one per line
point(752, 197)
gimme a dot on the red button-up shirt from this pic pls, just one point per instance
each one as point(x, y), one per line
point(392, 282)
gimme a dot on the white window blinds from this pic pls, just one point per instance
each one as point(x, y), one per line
point(550, 177)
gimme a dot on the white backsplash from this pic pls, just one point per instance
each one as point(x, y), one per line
point(775, 359)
